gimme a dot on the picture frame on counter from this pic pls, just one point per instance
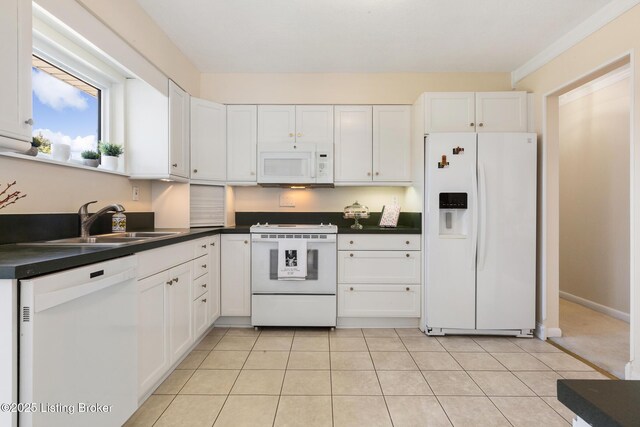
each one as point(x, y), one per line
point(390, 215)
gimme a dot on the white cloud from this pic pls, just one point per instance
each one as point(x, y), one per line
point(78, 144)
point(56, 93)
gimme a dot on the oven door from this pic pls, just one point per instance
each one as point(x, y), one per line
point(285, 165)
point(321, 276)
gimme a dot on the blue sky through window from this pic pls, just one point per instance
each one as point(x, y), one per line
point(63, 113)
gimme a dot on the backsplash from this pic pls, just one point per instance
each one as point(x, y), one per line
point(19, 228)
point(407, 219)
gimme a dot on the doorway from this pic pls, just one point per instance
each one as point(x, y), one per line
point(594, 224)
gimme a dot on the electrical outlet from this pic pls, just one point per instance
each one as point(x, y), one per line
point(135, 193)
point(287, 200)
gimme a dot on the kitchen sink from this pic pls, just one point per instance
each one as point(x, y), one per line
point(112, 239)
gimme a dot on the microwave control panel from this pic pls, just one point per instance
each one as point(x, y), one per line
point(324, 165)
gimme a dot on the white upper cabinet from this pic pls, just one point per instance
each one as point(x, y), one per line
point(392, 143)
point(295, 123)
point(314, 123)
point(501, 112)
point(241, 143)
point(449, 112)
point(208, 141)
point(475, 112)
point(353, 138)
point(15, 74)
point(178, 131)
point(276, 124)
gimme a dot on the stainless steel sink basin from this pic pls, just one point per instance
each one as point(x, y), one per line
point(113, 239)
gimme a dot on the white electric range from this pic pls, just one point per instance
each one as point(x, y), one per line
point(293, 275)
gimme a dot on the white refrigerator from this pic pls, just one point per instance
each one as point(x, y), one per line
point(481, 233)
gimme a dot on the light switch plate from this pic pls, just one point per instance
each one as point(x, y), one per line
point(287, 200)
point(135, 193)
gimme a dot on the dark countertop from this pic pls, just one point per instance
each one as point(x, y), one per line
point(18, 261)
point(602, 402)
point(374, 229)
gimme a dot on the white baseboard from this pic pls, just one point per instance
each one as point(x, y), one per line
point(378, 322)
point(543, 332)
point(620, 315)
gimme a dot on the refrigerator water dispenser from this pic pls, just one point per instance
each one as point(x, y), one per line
point(453, 214)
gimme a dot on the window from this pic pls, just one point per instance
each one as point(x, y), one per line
point(66, 109)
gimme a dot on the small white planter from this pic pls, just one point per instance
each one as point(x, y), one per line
point(61, 152)
point(91, 162)
point(110, 162)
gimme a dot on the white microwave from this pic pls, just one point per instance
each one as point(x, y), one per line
point(301, 163)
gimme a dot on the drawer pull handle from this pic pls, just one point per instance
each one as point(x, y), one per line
point(212, 244)
point(350, 289)
point(351, 255)
point(245, 242)
point(407, 289)
point(170, 282)
point(351, 242)
point(176, 280)
point(204, 300)
point(204, 286)
point(408, 255)
point(407, 242)
point(205, 265)
point(204, 246)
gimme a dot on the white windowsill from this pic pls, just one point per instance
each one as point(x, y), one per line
point(69, 164)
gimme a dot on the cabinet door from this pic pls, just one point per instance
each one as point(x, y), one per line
point(208, 140)
point(392, 143)
point(501, 111)
point(180, 304)
point(314, 124)
point(235, 286)
point(178, 131)
point(153, 332)
point(276, 123)
point(200, 314)
point(379, 266)
point(378, 301)
point(15, 72)
point(353, 139)
point(241, 143)
point(449, 112)
point(214, 280)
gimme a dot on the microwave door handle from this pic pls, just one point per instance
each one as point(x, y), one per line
point(314, 159)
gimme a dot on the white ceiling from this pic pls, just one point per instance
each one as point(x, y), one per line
point(365, 35)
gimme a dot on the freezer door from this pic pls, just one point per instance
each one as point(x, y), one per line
point(507, 231)
point(450, 228)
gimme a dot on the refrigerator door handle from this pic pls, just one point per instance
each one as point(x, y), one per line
point(474, 220)
point(482, 223)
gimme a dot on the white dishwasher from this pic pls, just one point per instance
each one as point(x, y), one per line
point(78, 346)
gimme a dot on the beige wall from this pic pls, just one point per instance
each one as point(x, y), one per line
point(355, 88)
point(53, 188)
point(594, 197)
point(611, 42)
point(127, 19)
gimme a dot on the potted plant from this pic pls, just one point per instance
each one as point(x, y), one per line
point(90, 158)
point(39, 144)
point(110, 153)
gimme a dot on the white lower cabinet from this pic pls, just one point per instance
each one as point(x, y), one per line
point(378, 300)
point(176, 305)
point(235, 275)
point(380, 279)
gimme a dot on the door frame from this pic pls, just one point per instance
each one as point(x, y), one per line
point(548, 311)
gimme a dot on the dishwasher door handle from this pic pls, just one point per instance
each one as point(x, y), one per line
point(51, 299)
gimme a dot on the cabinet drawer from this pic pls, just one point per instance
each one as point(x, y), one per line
point(377, 242)
point(200, 248)
point(378, 301)
point(200, 314)
point(156, 260)
point(200, 286)
point(201, 266)
point(379, 267)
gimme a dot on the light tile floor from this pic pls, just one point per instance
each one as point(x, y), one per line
point(362, 377)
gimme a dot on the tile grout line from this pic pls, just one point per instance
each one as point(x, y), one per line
point(378, 378)
point(284, 376)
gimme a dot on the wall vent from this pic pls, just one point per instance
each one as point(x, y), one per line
point(26, 314)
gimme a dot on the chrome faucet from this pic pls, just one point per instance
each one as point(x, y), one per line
point(86, 220)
